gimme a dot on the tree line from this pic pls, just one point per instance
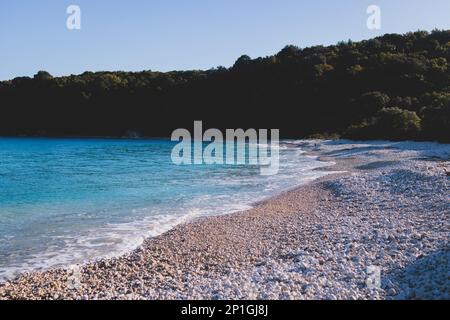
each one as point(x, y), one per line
point(390, 87)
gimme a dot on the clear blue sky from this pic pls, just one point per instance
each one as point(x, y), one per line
point(165, 35)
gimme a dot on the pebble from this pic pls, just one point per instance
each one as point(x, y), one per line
point(391, 222)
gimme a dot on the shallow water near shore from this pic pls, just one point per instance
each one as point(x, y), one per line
point(67, 201)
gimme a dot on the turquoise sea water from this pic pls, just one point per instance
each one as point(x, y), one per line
point(66, 201)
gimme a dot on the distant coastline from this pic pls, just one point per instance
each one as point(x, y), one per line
point(393, 87)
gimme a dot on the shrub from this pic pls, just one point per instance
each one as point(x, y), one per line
point(389, 123)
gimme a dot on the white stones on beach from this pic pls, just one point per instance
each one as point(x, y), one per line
point(317, 242)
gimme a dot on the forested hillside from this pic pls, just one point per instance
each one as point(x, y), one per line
point(391, 87)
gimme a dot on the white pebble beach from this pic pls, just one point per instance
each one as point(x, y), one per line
point(384, 206)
